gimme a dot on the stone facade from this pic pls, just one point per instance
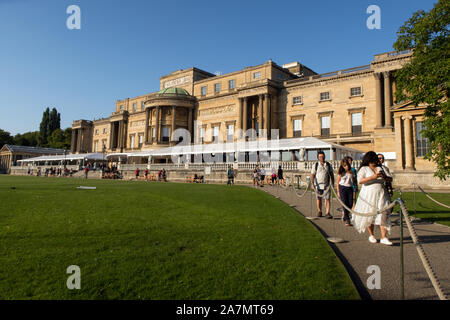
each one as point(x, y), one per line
point(354, 107)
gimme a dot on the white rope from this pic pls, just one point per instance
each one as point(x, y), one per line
point(388, 207)
point(429, 197)
point(325, 192)
point(306, 190)
point(422, 255)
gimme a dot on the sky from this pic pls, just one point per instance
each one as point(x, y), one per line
point(124, 47)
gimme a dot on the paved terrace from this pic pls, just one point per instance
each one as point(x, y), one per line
point(357, 253)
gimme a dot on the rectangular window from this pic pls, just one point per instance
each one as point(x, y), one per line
point(257, 75)
point(132, 141)
point(216, 134)
point(105, 130)
point(95, 146)
point(134, 106)
point(96, 131)
point(325, 96)
point(356, 123)
point(202, 134)
point(356, 91)
point(142, 105)
point(297, 100)
point(121, 107)
point(141, 140)
point(325, 126)
point(203, 91)
point(422, 143)
point(297, 128)
point(103, 145)
point(165, 134)
point(230, 133)
point(153, 134)
point(231, 84)
point(217, 87)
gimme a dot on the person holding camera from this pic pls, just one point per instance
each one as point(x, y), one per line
point(373, 196)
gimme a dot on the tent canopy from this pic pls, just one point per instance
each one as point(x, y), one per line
point(69, 157)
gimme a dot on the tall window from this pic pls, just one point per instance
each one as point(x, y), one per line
point(325, 96)
point(141, 140)
point(356, 91)
point(153, 134)
point(165, 134)
point(95, 146)
point(216, 134)
point(297, 128)
point(96, 131)
point(231, 84)
point(202, 134)
point(132, 142)
point(105, 130)
point(422, 143)
point(217, 87)
point(325, 126)
point(142, 105)
point(134, 106)
point(203, 91)
point(356, 123)
point(297, 100)
point(230, 133)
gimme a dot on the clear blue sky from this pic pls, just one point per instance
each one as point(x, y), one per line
point(123, 47)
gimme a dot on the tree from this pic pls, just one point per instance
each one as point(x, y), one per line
point(27, 139)
point(54, 121)
point(425, 79)
point(44, 128)
point(5, 138)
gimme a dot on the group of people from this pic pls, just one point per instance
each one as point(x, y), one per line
point(260, 176)
point(162, 175)
point(375, 194)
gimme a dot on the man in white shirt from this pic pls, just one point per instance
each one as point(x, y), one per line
point(321, 174)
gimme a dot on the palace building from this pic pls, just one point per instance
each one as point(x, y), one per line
point(355, 108)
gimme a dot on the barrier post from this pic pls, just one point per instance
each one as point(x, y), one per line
point(402, 268)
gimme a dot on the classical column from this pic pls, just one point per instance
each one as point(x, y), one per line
point(244, 116)
point(78, 140)
point(398, 142)
point(266, 114)
point(173, 122)
point(150, 111)
point(157, 123)
point(72, 142)
point(408, 143)
point(120, 140)
point(111, 129)
point(274, 107)
point(260, 112)
point(239, 121)
point(378, 98)
point(190, 124)
point(147, 112)
point(387, 99)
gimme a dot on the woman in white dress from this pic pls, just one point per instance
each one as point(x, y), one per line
point(372, 195)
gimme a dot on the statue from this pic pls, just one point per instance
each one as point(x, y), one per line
point(302, 154)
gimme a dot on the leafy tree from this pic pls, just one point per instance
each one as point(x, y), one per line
point(27, 139)
point(44, 128)
point(426, 78)
point(54, 121)
point(5, 138)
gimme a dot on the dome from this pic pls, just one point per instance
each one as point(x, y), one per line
point(174, 91)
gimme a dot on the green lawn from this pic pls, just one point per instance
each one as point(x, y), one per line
point(427, 209)
point(139, 240)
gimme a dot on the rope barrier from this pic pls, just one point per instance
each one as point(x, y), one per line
point(306, 190)
point(422, 255)
point(388, 207)
point(429, 197)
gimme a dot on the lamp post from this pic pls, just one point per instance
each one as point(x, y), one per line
point(64, 169)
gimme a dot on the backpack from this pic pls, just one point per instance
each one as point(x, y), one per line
point(330, 170)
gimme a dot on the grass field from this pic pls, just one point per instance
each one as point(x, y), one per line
point(139, 240)
point(425, 208)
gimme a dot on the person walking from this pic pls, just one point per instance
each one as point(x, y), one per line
point(345, 189)
point(387, 172)
point(229, 176)
point(136, 173)
point(280, 175)
point(321, 176)
point(86, 171)
point(146, 174)
point(263, 176)
point(373, 196)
